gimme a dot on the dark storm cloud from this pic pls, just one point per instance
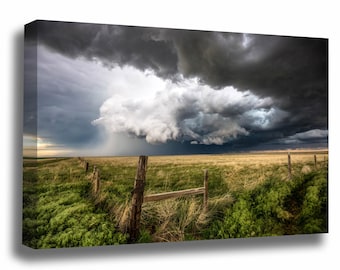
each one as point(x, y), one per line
point(30, 95)
point(291, 71)
point(140, 47)
point(271, 65)
point(314, 135)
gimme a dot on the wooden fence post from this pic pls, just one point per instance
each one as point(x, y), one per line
point(137, 198)
point(205, 198)
point(86, 166)
point(96, 181)
point(289, 167)
point(315, 167)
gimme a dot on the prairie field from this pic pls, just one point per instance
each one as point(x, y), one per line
point(249, 195)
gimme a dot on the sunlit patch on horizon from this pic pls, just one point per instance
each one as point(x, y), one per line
point(34, 146)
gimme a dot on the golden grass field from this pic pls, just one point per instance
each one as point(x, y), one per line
point(239, 159)
point(250, 168)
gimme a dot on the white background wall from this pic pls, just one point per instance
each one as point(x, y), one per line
point(301, 18)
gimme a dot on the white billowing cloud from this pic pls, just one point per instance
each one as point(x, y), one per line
point(186, 111)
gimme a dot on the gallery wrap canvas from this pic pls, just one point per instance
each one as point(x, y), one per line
point(142, 134)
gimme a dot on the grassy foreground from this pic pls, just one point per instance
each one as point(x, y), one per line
point(249, 195)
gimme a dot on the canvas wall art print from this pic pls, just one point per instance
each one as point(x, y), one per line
point(143, 134)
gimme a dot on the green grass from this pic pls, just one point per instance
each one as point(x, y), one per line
point(58, 213)
point(248, 196)
point(277, 207)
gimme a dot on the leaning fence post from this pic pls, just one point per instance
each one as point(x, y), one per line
point(205, 198)
point(137, 198)
point(86, 166)
point(289, 167)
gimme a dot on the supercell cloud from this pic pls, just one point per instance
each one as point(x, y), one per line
point(197, 88)
point(189, 111)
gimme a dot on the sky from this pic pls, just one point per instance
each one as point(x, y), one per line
point(95, 89)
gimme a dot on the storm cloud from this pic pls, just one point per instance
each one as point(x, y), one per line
point(207, 88)
point(292, 69)
point(314, 135)
point(190, 112)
